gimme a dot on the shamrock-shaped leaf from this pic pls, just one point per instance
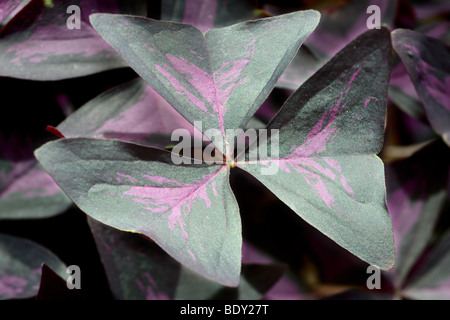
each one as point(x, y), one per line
point(39, 45)
point(20, 266)
point(189, 209)
point(217, 77)
point(427, 61)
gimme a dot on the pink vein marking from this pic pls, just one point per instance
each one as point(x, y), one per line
point(308, 153)
point(173, 198)
point(438, 89)
point(180, 89)
point(215, 88)
point(413, 49)
point(162, 180)
point(192, 255)
point(352, 79)
point(133, 180)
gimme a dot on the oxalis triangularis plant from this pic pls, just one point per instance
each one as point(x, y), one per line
point(321, 163)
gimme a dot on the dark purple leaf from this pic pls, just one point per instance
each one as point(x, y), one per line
point(339, 28)
point(137, 269)
point(416, 195)
point(131, 112)
point(10, 8)
point(427, 61)
point(402, 91)
point(335, 30)
point(329, 132)
point(26, 190)
point(303, 66)
point(20, 267)
point(38, 44)
point(214, 77)
point(432, 281)
point(54, 287)
point(258, 279)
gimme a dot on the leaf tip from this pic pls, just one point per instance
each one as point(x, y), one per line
point(232, 283)
point(95, 19)
point(316, 14)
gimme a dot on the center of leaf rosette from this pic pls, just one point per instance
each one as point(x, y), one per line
point(230, 162)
